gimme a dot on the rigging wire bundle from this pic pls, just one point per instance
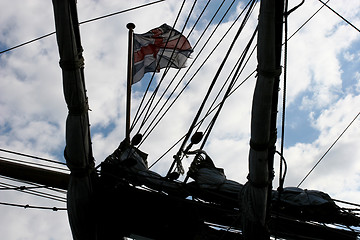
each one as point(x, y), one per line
point(145, 112)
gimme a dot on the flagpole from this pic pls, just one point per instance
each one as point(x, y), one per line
point(131, 27)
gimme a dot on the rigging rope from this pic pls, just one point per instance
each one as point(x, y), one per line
point(349, 203)
point(210, 110)
point(83, 22)
point(206, 115)
point(152, 98)
point(35, 193)
point(171, 82)
point(344, 19)
point(33, 207)
point(119, 12)
point(281, 178)
point(22, 188)
point(306, 21)
point(192, 126)
point(235, 89)
point(136, 118)
point(33, 184)
point(322, 157)
point(188, 68)
point(197, 71)
point(233, 81)
point(231, 85)
point(206, 60)
point(31, 156)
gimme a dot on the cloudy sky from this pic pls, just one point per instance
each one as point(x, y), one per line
point(323, 96)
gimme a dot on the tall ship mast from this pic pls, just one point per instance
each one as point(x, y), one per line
point(196, 201)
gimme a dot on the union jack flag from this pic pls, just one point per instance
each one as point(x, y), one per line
point(159, 48)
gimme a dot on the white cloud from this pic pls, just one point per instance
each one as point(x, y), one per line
point(338, 171)
point(357, 78)
point(314, 55)
point(349, 56)
point(30, 223)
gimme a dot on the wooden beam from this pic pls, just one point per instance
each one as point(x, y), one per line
point(34, 174)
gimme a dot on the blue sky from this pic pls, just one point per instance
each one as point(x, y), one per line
point(323, 95)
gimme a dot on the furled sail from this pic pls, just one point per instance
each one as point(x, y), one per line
point(78, 152)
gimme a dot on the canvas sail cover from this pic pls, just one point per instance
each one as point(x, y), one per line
point(130, 163)
point(78, 152)
point(255, 194)
point(303, 197)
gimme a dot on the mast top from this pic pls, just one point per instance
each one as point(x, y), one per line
point(130, 26)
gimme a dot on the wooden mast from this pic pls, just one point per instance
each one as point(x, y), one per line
point(78, 152)
point(256, 191)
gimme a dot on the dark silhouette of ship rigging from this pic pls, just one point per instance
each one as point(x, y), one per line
point(126, 199)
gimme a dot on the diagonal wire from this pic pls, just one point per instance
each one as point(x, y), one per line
point(31, 156)
point(239, 68)
point(34, 184)
point(197, 71)
point(344, 19)
point(242, 82)
point(34, 192)
point(119, 12)
point(188, 69)
point(152, 77)
point(31, 206)
point(167, 88)
point(322, 157)
point(167, 67)
point(83, 22)
point(307, 21)
point(206, 115)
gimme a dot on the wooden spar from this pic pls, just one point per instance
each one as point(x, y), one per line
point(153, 221)
point(131, 27)
point(255, 194)
point(34, 174)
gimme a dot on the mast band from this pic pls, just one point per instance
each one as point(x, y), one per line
point(259, 146)
point(270, 74)
point(71, 65)
point(78, 110)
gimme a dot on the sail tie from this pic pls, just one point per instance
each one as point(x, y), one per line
point(71, 65)
point(264, 184)
point(78, 110)
point(262, 146)
point(269, 73)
